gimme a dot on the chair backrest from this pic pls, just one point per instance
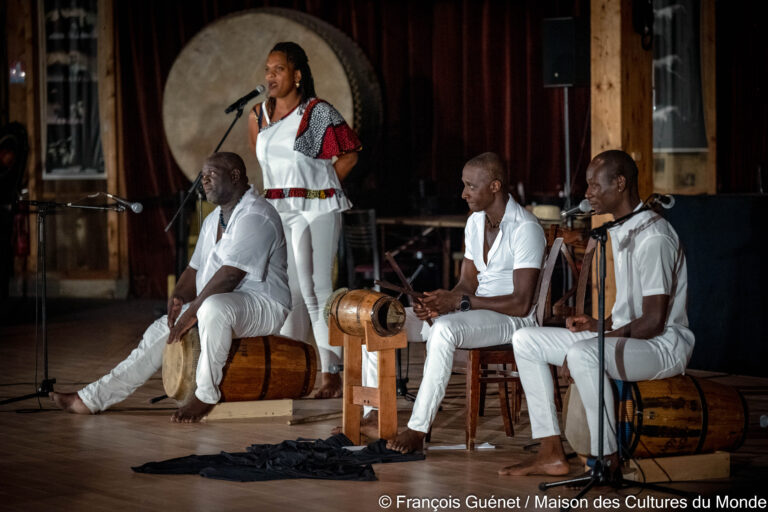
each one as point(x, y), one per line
point(361, 246)
point(583, 282)
point(545, 279)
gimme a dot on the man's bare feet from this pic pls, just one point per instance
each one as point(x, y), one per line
point(550, 461)
point(330, 385)
point(192, 412)
point(69, 402)
point(369, 426)
point(408, 441)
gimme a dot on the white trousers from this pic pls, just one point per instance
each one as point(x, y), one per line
point(470, 329)
point(312, 239)
point(626, 359)
point(220, 318)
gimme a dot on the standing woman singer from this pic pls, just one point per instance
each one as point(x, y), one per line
point(296, 137)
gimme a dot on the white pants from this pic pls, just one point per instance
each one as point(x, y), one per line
point(220, 318)
point(470, 329)
point(312, 239)
point(626, 359)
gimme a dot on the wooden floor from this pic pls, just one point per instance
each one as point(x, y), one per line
point(50, 460)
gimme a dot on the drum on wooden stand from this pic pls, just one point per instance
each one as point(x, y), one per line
point(351, 308)
point(260, 368)
point(681, 415)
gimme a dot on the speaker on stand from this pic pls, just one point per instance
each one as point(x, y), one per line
point(565, 57)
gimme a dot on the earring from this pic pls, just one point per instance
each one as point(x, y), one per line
point(298, 84)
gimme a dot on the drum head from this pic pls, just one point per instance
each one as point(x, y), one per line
point(225, 61)
point(180, 366)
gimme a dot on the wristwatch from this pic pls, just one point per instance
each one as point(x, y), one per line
point(464, 304)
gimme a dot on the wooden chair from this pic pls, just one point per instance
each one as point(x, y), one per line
point(361, 247)
point(479, 376)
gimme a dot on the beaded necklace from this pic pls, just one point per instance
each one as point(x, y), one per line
point(221, 214)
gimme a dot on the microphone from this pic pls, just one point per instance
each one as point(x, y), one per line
point(136, 207)
point(666, 201)
point(584, 207)
point(245, 99)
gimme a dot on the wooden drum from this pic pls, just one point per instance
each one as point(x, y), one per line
point(680, 415)
point(350, 309)
point(261, 368)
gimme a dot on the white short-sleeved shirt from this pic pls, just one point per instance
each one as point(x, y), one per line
point(253, 242)
point(649, 260)
point(519, 244)
point(283, 167)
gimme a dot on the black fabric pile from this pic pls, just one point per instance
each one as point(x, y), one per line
point(302, 458)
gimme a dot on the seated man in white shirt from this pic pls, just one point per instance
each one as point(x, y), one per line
point(236, 285)
point(504, 252)
point(648, 335)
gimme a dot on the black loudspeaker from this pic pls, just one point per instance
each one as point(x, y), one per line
point(565, 52)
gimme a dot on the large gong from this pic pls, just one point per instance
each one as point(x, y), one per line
point(226, 59)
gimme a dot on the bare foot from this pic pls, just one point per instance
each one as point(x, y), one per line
point(550, 460)
point(369, 426)
point(538, 467)
point(192, 412)
point(408, 441)
point(69, 402)
point(330, 386)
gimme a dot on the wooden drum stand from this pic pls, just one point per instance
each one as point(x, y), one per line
point(381, 331)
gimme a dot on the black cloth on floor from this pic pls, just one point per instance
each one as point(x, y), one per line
point(303, 458)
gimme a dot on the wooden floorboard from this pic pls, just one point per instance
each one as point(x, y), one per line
point(50, 460)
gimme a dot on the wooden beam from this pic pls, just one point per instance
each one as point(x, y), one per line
point(108, 124)
point(622, 102)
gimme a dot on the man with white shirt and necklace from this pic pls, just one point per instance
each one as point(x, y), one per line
point(236, 285)
point(504, 253)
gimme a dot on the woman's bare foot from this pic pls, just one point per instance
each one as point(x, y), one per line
point(369, 426)
point(192, 412)
point(408, 441)
point(550, 461)
point(69, 402)
point(330, 385)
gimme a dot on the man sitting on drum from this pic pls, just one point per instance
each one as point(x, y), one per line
point(648, 334)
point(504, 253)
point(236, 285)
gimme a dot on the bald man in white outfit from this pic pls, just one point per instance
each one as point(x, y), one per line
point(236, 285)
point(504, 253)
point(647, 334)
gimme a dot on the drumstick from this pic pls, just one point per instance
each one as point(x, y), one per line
point(400, 289)
point(406, 283)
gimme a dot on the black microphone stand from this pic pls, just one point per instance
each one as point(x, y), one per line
point(43, 209)
point(195, 184)
point(601, 474)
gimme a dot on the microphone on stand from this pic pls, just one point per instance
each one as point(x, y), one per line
point(583, 207)
point(245, 99)
point(135, 207)
point(666, 201)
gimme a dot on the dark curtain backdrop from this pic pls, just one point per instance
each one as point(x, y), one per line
point(742, 96)
point(458, 78)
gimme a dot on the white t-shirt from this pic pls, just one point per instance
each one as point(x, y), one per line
point(253, 242)
point(649, 260)
point(519, 244)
